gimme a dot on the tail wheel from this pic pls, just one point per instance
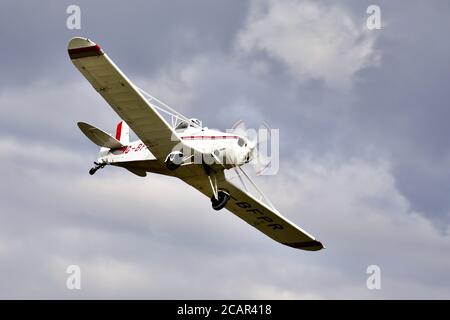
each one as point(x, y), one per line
point(222, 200)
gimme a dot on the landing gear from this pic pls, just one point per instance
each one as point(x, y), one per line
point(221, 201)
point(220, 197)
point(97, 166)
point(174, 160)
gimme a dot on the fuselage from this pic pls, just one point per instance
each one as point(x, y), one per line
point(203, 144)
point(228, 149)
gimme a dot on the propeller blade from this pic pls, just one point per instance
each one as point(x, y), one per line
point(256, 141)
point(264, 133)
point(261, 163)
point(239, 128)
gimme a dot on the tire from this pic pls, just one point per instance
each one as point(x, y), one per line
point(172, 166)
point(174, 160)
point(218, 204)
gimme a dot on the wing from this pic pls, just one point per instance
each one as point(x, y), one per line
point(99, 137)
point(123, 96)
point(259, 215)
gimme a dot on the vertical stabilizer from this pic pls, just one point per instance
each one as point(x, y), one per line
point(123, 133)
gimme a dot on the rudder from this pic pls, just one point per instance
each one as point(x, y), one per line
point(123, 133)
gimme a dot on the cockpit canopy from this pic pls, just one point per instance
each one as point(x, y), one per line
point(193, 123)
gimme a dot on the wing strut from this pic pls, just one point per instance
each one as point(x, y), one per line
point(240, 179)
point(261, 194)
point(214, 187)
point(164, 108)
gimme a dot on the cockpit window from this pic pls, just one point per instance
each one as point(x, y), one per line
point(196, 121)
point(189, 123)
point(241, 142)
point(182, 125)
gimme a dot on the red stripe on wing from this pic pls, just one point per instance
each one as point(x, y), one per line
point(84, 52)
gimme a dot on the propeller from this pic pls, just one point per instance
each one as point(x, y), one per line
point(257, 143)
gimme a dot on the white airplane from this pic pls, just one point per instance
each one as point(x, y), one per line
point(195, 154)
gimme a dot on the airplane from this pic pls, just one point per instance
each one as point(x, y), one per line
point(184, 149)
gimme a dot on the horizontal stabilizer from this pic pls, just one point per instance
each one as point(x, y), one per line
point(99, 137)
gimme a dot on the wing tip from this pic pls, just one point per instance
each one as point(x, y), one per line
point(79, 47)
point(82, 124)
point(312, 245)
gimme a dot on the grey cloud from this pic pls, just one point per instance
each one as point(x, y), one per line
point(151, 33)
point(365, 170)
point(131, 240)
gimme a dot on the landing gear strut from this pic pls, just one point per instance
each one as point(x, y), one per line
point(219, 198)
point(97, 166)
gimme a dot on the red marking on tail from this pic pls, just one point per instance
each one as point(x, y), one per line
point(119, 130)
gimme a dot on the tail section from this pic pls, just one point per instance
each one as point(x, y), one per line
point(123, 133)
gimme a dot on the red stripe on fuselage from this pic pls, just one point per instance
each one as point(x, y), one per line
point(208, 137)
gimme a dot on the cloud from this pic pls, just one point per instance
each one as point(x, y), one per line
point(312, 41)
point(355, 208)
point(211, 87)
point(156, 237)
point(131, 239)
point(47, 111)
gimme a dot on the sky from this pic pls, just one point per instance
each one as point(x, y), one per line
point(364, 150)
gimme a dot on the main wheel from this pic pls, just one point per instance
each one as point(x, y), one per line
point(174, 160)
point(222, 200)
